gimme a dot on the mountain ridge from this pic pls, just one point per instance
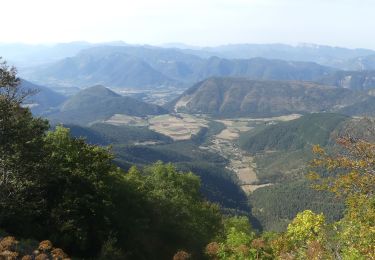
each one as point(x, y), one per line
point(147, 66)
point(228, 97)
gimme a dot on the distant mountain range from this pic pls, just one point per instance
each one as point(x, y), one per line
point(322, 54)
point(349, 93)
point(98, 103)
point(234, 97)
point(260, 68)
point(358, 63)
point(31, 54)
point(114, 69)
point(145, 66)
point(26, 55)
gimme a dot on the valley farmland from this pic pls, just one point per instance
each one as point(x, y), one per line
point(183, 127)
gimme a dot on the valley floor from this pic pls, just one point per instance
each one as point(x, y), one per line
point(182, 127)
point(240, 162)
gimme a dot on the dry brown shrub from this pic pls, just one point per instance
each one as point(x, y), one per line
point(212, 249)
point(8, 244)
point(8, 255)
point(315, 251)
point(258, 243)
point(181, 255)
point(42, 257)
point(243, 249)
point(27, 257)
point(58, 253)
point(287, 256)
point(45, 245)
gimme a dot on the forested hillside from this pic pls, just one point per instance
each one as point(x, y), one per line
point(282, 153)
point(97, 103)
point(294, 135)
point(44, 100)
point(218, 184)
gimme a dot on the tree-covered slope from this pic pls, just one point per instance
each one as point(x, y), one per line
point(275, 206)
point(218, 184)
point(297, 134)
point(283, 153)
point(99, 103)
point(104, 134)
point(141, 146)
point(44, 100)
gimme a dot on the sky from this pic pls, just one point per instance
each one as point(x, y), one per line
point(347, 23)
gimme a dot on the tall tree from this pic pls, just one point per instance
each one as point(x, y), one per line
point(21, 153)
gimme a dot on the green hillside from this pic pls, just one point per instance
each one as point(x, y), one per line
point(275, 206)
point(99, 103)
point(104, 134)
point(282, 150)
point(218, 184)
point(293, 135)
point(44, 100)
point(282, 154)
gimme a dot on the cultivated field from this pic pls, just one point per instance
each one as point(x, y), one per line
point(120, 119)
point(239, 162)
point(177, 126)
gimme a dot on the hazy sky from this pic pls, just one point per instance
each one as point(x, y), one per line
point(348, 23)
